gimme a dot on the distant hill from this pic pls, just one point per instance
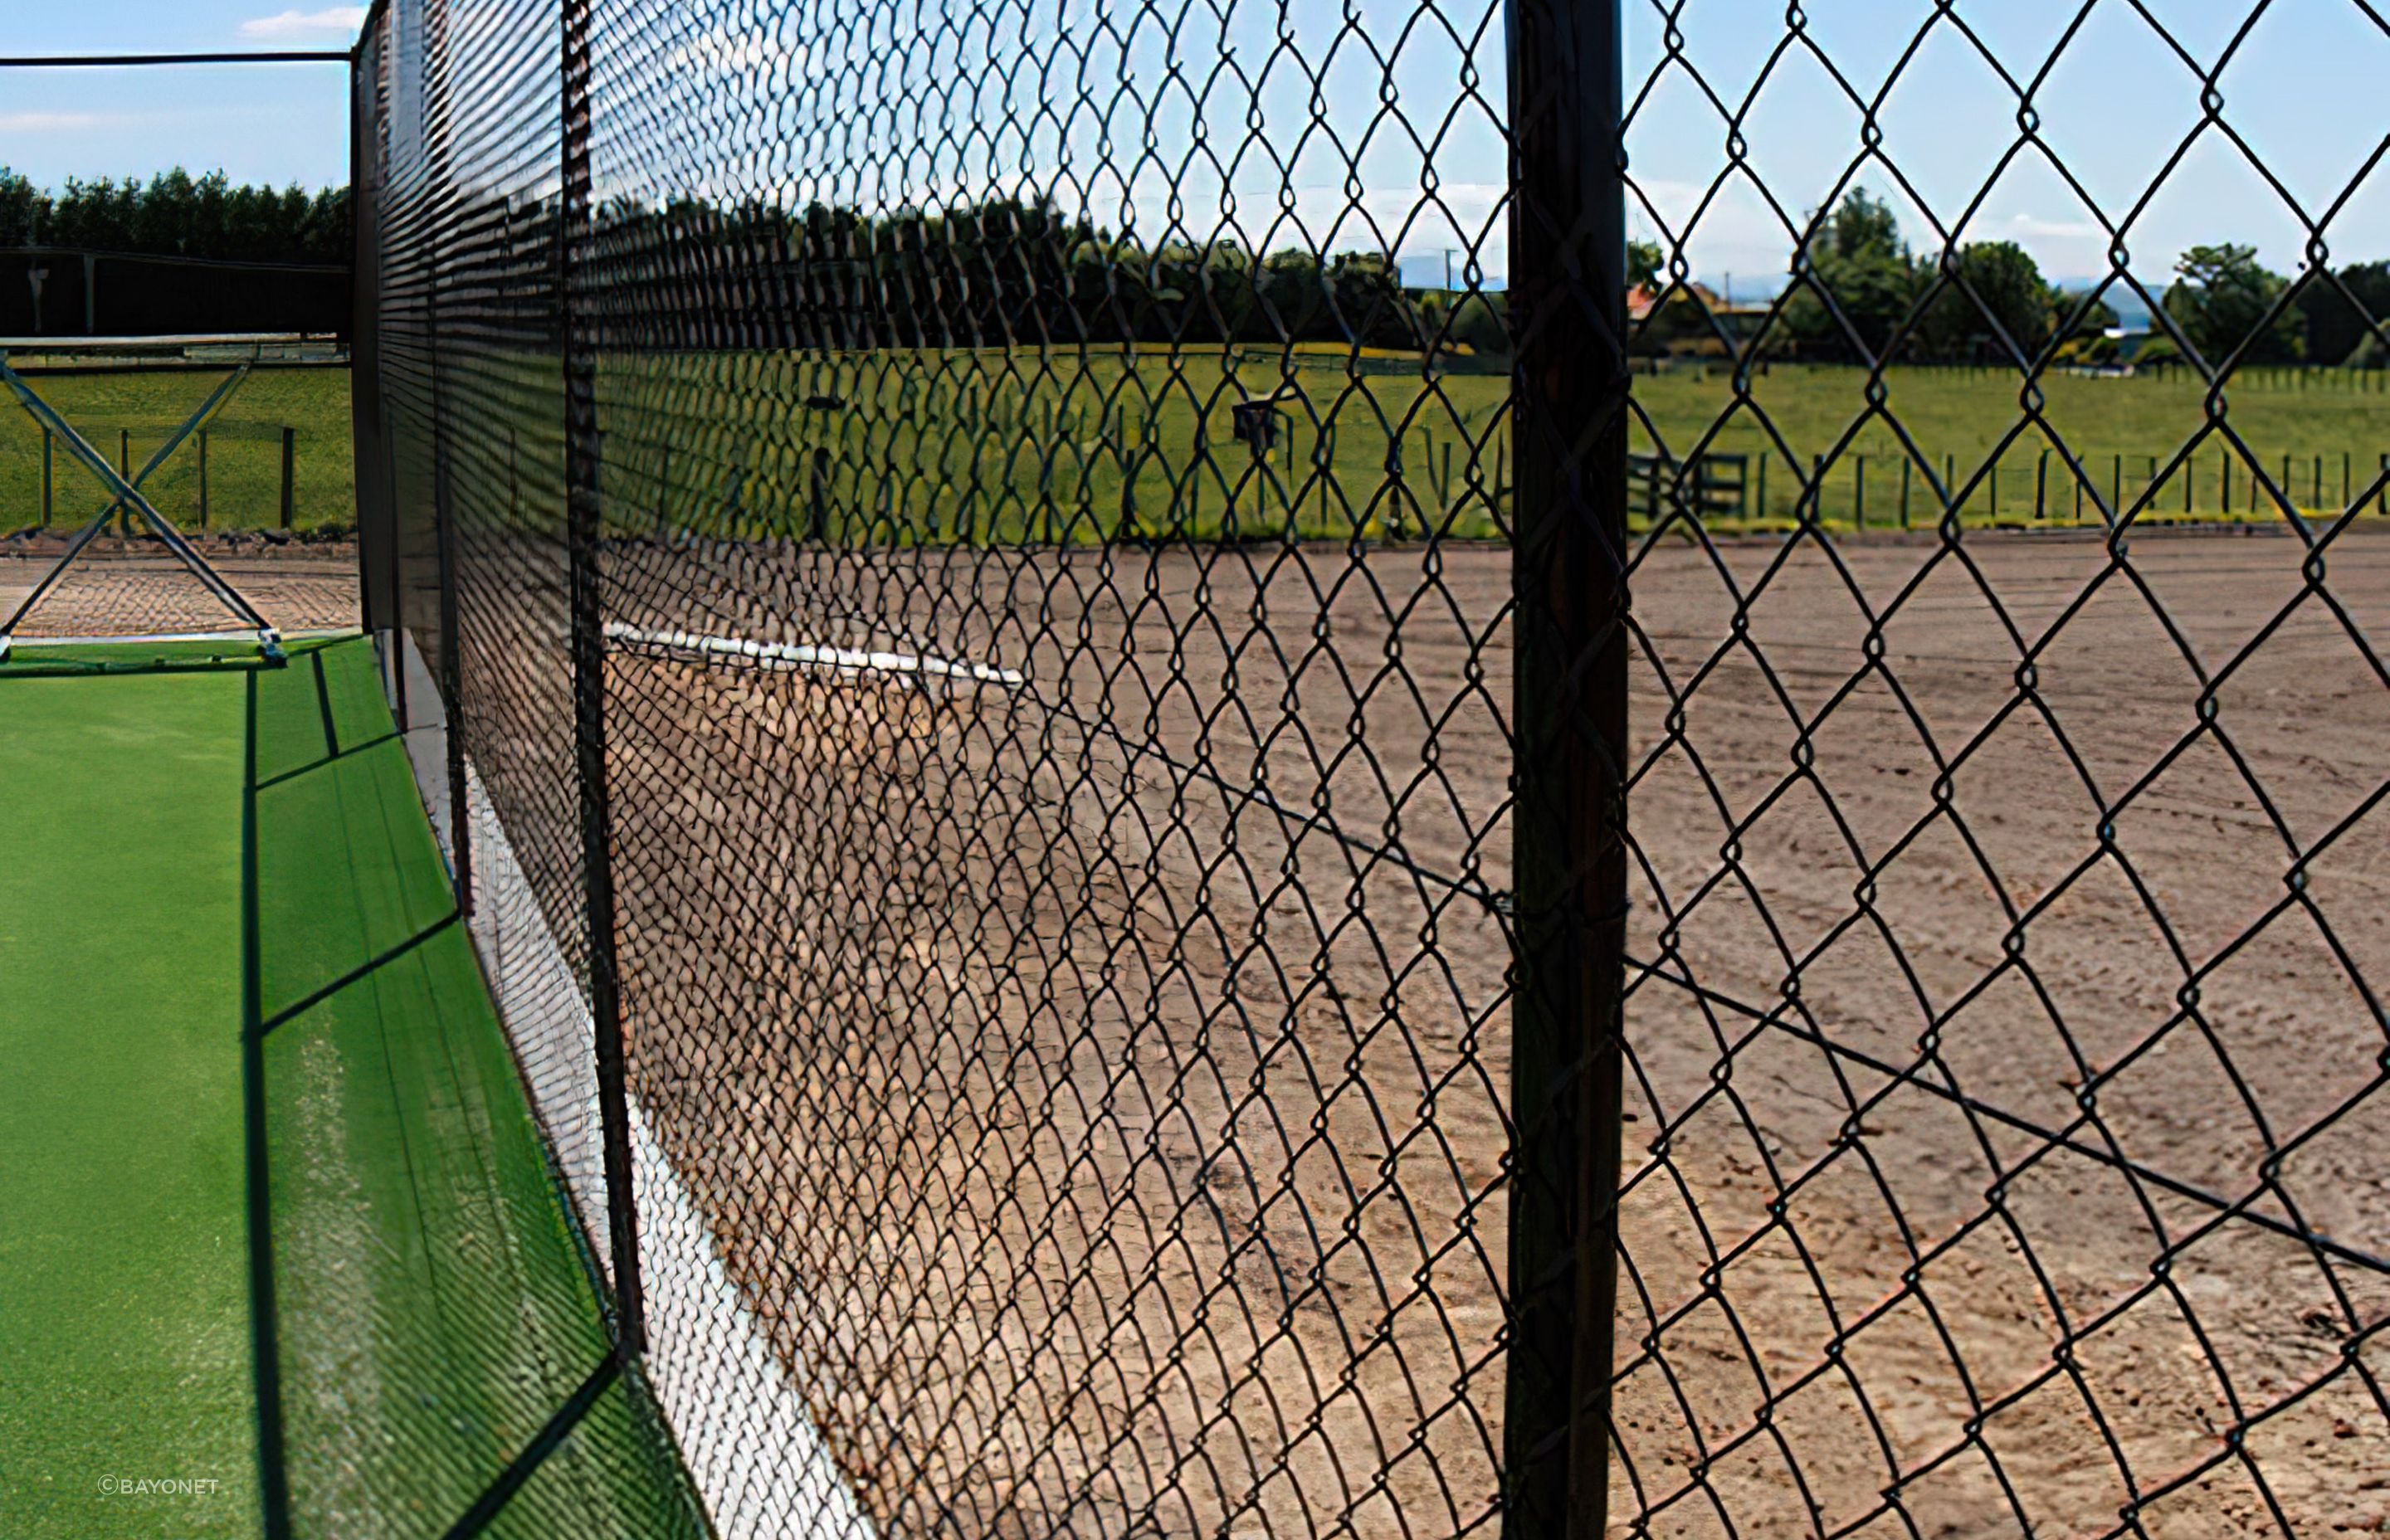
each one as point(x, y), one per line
point(2131, 312)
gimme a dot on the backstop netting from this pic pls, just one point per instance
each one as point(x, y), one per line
point(1032, 604)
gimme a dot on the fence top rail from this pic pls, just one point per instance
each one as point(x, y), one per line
point(163, 340)
point(142, 61)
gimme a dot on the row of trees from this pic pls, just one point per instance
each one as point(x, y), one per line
point(1003, 270)
point(1020, 268)
point(1889, 301)
point(176, 215)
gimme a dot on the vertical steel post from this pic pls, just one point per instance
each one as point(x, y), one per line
point(1570, 383)
point(583, 473)
point(452, 664)
point(377, 521)
point(289, 476)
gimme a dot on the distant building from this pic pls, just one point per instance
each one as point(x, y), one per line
point(1672, 320)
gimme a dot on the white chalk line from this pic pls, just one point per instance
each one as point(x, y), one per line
point(703, 647)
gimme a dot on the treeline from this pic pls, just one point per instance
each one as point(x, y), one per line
point(1006, 270)
point(1860, 291)
point(176, 215)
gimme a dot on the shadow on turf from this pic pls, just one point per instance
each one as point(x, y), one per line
point(274, 1481)
point(500, 1485)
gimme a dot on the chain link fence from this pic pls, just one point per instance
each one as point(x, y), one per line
point(1033, 608)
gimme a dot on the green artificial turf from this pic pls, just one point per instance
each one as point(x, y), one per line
point(239, 982)
point(124, 1332)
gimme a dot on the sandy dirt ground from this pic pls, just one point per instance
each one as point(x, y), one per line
point(1097, 1083)
point(123, 589)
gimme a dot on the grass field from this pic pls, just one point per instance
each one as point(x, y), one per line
point(233, 988)
point(1082, 450)
point(244, 449)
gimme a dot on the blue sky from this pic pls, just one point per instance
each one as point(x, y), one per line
point(283, 124)
point(2303, 86)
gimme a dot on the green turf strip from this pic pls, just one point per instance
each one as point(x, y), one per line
point(37, 659)
point(125, 1333)
point(431, 1310)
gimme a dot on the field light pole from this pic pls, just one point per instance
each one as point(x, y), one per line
point(1570, 383)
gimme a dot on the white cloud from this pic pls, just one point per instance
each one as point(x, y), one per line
point(338, 20)
point(2034, 226)
point(57, 122)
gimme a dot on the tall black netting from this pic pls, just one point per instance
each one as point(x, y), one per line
point(1034, 603)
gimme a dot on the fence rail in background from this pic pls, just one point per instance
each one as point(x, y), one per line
point(1119, 928)
point(271, 496)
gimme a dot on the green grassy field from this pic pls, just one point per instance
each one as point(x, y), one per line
point(1143, 446)
point(234, 990)
point(244, 449)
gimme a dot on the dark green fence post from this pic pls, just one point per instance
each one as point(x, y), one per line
point(1858, 494)
point(820, 497)
point(663, 495)
point(289, 476)
point(1907, 469)
point(584, 492)
point(1570, 385)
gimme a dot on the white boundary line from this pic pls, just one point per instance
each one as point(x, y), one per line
point(749, 1443)
point(246, 636)
point(700, 648)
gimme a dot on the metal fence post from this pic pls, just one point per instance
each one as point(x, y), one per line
point(1568, 313)
point(583, 478)
point(377, 527)
point(452, 663)
point(289, 476)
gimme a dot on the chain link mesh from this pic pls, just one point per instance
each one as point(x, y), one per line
point(1144, 1010)
point(2008, 1149)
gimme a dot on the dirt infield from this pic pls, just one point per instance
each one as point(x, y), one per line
point(1097, 1084)
point(128, 589)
